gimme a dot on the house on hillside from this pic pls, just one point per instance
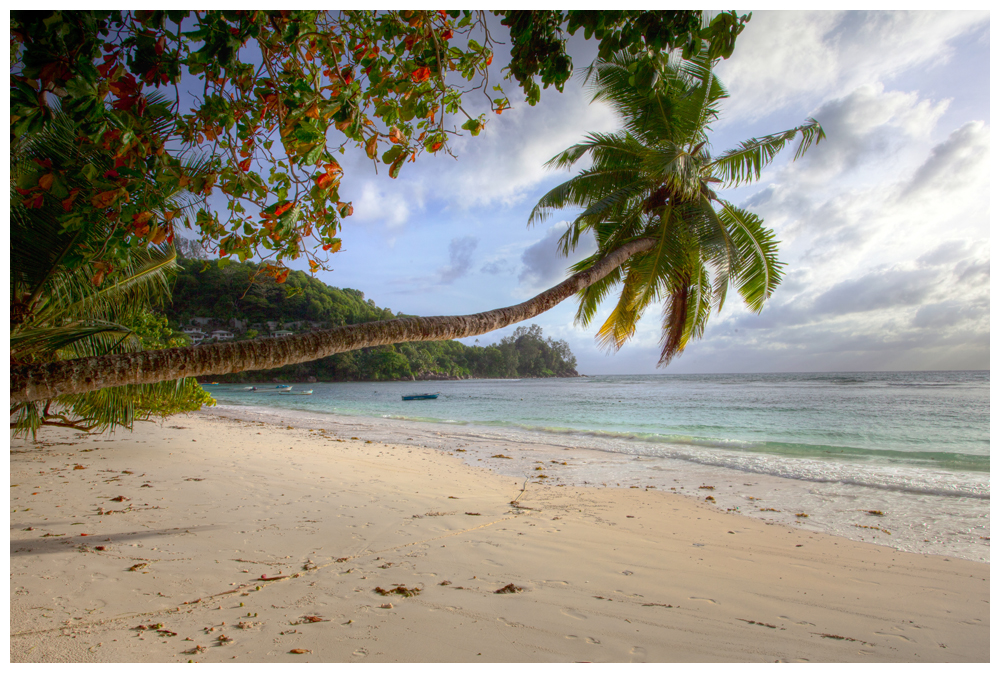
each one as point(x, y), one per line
point(272, 325)
point(282, 332)
point(222, 335)
point(194, 334)
point(239, 325)
point(295, 324)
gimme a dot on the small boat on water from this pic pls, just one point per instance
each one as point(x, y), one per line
point(276, 389)
point(425, 396)
point(296, 392)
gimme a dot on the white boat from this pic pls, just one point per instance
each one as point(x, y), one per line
point(276, 389)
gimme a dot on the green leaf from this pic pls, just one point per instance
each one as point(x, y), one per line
point(390, 155)
point(314, 155)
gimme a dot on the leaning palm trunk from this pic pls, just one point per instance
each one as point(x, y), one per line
point(30, 383)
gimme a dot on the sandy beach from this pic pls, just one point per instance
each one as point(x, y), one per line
point(215, 539)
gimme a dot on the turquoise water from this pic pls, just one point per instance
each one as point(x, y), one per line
point(923, 420)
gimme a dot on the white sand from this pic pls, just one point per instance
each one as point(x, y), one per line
point(215, 504)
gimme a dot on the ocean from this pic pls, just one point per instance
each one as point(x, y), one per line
point(895, 458)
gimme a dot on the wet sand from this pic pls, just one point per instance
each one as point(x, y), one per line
point(213, 539)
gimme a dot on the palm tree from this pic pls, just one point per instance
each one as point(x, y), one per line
point(647, 202)
point(654, 180)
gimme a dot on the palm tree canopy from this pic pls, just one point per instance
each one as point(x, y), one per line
point(66, 305)
point(655, 179)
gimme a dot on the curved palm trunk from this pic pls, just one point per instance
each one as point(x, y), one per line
point(30, 383)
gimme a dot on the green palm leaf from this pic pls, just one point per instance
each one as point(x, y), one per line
point(745, 164)
point(759, 271)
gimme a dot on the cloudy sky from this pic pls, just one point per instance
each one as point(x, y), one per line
point(884, 226)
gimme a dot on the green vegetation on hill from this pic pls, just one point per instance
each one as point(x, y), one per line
point(239, 298)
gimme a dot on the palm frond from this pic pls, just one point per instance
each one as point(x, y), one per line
point(746, 163)
point(84, 338)
point(591, 296)
point(685, 314)
point(621, 322)
point(758, 272)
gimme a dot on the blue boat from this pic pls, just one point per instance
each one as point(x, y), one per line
point(425, 396)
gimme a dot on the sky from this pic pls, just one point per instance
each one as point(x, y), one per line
point(884, 226)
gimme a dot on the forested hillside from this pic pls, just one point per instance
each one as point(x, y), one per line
point(240, 298)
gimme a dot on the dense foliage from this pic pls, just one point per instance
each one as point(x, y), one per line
point(238, 292)
point(246, 110)
point(62, 311)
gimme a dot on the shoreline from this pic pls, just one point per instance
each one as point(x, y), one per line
point(833, 507)
point(256, 539)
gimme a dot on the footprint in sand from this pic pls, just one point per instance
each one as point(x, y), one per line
point(575, 614)
point(710, 600)
point(637, 654)
point(571, 637)
point(593, 641)
point(359, 653)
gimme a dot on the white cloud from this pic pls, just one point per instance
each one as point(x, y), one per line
point(953, 163)
point(787, 58)
point(388, 205)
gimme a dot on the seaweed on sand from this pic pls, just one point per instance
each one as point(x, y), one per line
point(400, 590)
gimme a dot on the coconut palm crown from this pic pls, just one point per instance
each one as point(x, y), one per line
point(656, 179)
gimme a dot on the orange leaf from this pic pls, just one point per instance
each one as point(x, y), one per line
point(371, 147)
point(396, 136)
point(45, 182)
point(313, 112)
point(105, 199)
point(282, 209)
point(67, 203)
point(245, 165)
point(421, 74)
